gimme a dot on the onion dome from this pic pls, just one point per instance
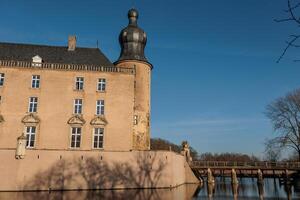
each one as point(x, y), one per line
point(132, 40)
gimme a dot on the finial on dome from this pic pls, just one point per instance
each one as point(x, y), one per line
point(133, 15)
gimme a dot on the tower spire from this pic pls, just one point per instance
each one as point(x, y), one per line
point(132, 40)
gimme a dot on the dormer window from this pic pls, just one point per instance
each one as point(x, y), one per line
point(2, 79)
point(37, 61)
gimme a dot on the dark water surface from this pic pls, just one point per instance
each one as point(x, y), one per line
point(247, 189)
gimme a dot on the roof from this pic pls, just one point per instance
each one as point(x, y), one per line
point(53, 54)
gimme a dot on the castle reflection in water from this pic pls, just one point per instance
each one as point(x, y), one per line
point(247, 189)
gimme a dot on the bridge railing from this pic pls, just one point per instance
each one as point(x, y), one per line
point(245, 164)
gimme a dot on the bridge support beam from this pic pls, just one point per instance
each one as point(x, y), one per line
point(260, 178)
point(234, 183)
point(210, 183)
point(210, 177)
point(234, 179)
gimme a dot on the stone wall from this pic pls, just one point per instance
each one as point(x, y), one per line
point(142, 97)
point(66, 170)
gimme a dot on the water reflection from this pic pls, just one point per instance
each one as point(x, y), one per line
point(260, 187)
point(185, 192)
point(220, 189)
point(249, 188)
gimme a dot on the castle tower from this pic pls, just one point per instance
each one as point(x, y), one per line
point(133, 41)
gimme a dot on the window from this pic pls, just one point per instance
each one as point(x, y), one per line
point(30, 136)
point(36, 61)
point(98, 138)
point(135, 119)
point(1, 79)
point(79, 83)
point(77, 106)
point(101, 84)
point(35, 83)
point(100, 107)
point(75, 137)
point(33, 104)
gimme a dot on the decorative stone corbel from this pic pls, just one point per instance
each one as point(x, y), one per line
point(21, 147)
point(76, 120)
point(31, 119)
point(98, 121)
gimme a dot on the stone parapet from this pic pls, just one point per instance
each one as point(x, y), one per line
point(68, 67)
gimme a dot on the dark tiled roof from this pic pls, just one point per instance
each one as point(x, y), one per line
point(53, 54)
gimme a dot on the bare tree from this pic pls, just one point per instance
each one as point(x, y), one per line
point(284, 114)
point(293, 8)
point(238, 157)
point(272, 150)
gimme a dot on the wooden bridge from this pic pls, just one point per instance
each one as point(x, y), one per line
point(287, 172)
point(245, 165)
point(245, 169)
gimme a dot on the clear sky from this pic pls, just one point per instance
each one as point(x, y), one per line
point(214, 61)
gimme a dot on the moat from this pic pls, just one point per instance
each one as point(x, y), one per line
point(247, 189)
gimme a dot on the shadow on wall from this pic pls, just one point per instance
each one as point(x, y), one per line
point(144, 170)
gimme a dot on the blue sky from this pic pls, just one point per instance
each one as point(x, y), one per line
point(214, 61)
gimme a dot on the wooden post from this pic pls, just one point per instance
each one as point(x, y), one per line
point(235, 188)
point(210, 177)
point(234, 179)
point(210, 190)
point(260, 178)
point(234, 183)
point(260, 190)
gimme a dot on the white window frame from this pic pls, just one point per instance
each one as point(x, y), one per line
point(98, 132)
point(79, 83)
point(100, 107)
point(33, 103)
point(2, 77)
point(30, 136)
point(78, 106)
point(35, 81)
point(101, 84)
point(75, 134)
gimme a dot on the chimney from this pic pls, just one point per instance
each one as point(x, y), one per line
point(71, 43)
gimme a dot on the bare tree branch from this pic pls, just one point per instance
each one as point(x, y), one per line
point(283, 20)
point(294, 18)
point(293, 7)
point(290, 43)
point(291, 11)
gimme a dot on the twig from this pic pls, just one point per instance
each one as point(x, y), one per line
point(292, 13)
point(293, 7)
point(289, 44)
point(283, 20)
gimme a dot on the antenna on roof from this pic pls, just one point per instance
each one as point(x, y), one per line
point(97, 44)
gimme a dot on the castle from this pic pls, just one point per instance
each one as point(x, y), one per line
point(70, 98)
point(64, 109)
